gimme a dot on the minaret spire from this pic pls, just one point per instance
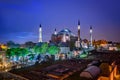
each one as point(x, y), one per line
point(78, 42)
point(90, 35)
point(55, 32)
point(40, 33)
point(78, 22)
point(78, 30)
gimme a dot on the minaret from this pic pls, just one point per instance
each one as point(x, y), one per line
point(90, 35)
point(78, 30)
point(40, 33)
point(77, 44)
point(55, 33)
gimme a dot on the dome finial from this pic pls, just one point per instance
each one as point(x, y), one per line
point(78, 22)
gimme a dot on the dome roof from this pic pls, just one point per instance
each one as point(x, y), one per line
point(66, 31)
point(91, 72)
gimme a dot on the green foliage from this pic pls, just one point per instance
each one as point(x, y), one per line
point(10, 52)
point(16, 52)
point(44, 48)
point(36, 49)
point(41, 49)
point(23, 52)
point(31, 56)
point(53, 50)
point(83, 55)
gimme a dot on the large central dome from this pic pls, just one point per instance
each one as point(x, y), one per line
point(63, 36)
point(66, 31)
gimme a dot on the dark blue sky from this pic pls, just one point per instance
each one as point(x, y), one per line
point(20, 19)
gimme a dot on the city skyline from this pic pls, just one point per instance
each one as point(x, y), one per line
point(20, 20)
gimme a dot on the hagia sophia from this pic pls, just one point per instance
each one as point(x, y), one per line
point(65, 37)
point(68, 42)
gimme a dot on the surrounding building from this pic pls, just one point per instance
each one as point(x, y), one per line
point(108, 75)
point(91, 72)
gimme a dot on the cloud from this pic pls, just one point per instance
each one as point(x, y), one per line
point(26, 35)
point(20, 37)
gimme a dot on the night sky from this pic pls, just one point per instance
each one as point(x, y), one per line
point(20, 19)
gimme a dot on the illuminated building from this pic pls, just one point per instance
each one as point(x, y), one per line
point(73, 41)
point(110, 73)
point(84, 43)
point(3, 47)
point(64, 46)
point(63, 35)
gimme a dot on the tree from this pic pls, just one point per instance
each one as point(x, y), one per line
point(36, 49)
point(40, 50)
point(10, 53)
point(43, 48)
point(29, 44)
point(23, 53)
point(16, 53)
point(17, 45)
point(10, 44)
point(31, 56)
point(53, 50)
